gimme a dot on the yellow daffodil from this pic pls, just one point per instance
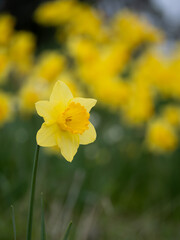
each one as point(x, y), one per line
point(134, 29)
point(113, 92)
point(66, 121)
point(5, 108)
point(140, 106)
point(49, 66)
point(7, 23)
point(29, 95)
point(55, 12)
point(161, 136)
point(77, 24)
point(21, 51)
point(172, 114)
point(83, 50)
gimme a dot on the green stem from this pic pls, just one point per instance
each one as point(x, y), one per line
point(13, 221)
point(33, 186)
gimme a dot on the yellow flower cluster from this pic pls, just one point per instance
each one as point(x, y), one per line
point(16, 48)
point(117, 60)
point(31, 77)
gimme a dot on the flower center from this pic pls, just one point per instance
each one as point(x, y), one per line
point(74, 119)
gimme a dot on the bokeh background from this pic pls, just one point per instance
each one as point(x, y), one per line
point(124, 53)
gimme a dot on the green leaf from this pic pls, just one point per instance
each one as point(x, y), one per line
point(43, 231)
point(67, 231)
point(13, 222)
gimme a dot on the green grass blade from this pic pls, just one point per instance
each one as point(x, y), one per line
point(32, 194)
point(13, 222)
point(67, 232)
point(43, 231)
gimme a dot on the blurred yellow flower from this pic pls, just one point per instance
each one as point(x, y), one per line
point(78, 23)
point(7, 23)
point(113, 92)
point(4, 63)
point(172, 114)
point(82, 49)
point(114, 57)
point(75, 15)
point(151, 68)
point(49, 66)
point(55, 12)
point(140, 106)
point(29, 94)
point(21, 51)
point(161, 137)
point(66, 121)
point(5, 108)
point(133, 29)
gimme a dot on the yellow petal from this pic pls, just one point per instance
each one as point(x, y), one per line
point(46, 136)
point(44, 109)
point(68, 144)
point(61, 93)
point(88, 103)
point(49, 111)
point(88, 136)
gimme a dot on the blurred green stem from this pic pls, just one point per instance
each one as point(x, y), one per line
point(67, 231)
point(13, 221)
point(33, 187)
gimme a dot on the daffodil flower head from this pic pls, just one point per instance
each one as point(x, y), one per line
point(161, 136)
point(66, 121)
